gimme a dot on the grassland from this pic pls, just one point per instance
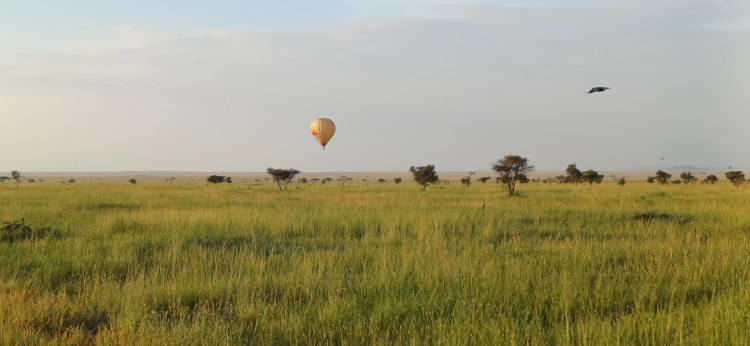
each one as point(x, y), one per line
point(376, 264)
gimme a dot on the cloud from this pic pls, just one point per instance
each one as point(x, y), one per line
point(457, 89)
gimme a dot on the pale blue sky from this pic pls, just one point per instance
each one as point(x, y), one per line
point(233, 85)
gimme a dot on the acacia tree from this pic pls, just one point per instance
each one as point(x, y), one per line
point(662, 177)
point(688, 177)
point(736, 177)
point(591, 176)
point(621, 182)
point(573, 174)
point(424, 175)
point(512, 168)
point(397, 180)
point(16, 175)
point(484, 179)
point(282, 177)
point(710, 179)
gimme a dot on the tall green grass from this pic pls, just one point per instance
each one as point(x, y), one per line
point(377, 264)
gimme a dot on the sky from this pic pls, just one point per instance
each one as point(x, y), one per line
point(233, 85)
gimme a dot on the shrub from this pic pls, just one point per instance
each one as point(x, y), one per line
point(736, 177)
point(688, 177)
point(662, 177)
point(591, 176)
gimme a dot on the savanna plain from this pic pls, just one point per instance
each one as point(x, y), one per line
point(369, 263)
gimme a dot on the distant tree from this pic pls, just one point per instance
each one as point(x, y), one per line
point(257, 180)
point(688, 177)
point(651, 180)
point(71, 181)
point(736, 177)
point(343, 179)
point(31, 180)
point(381, 180)
point(621, 182)
point(561, 179)
point(548, 180)
point(466, 181)
point(3, 179)
point(314, 180)
point(132, 181)
point(282, 177)
point(511, 169)
point(710, 179)
point(228, 180)
point(591, 176)
point(16, 175)
point(215, 179)
point(484, 180)
point(328, 179)
point(677, 181)
point(397, 180)
point(662, 177)
point(424, 175)
point(573, 174)
point(171, 180)
point(302, 180)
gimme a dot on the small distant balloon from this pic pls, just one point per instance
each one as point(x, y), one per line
point(322, 129)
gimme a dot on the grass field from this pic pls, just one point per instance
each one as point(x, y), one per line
point(376, 264)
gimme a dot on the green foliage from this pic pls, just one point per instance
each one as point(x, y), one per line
point(662, 177)
point(710, 179)
point(397, 180)
point(573, 174)
point(282, 177)
point(511, 169)
point(677, 181)
point(216, 179)
point(688, 178)
point(132, 181)
point(736, 177)
point(621, 181)
point(651, 180)
point(424, 175)
point(591, 176)
point(484, 179)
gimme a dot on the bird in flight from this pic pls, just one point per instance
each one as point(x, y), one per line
point(597, 89)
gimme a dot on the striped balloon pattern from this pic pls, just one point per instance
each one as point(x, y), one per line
point(322, 130)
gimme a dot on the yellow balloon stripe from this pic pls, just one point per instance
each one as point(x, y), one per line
point(323, 129)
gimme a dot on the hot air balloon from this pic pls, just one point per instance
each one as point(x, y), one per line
point(323, 129)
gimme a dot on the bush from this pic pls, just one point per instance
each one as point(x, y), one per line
point(132, 181)
point(688, 177)
point(591, 176)
point(397, 180)
point(662, 177)
point(424, 175)
point(736, 177)
point(710, 179)
point(217, 179)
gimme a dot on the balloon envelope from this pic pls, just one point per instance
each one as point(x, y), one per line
point(323, 129)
